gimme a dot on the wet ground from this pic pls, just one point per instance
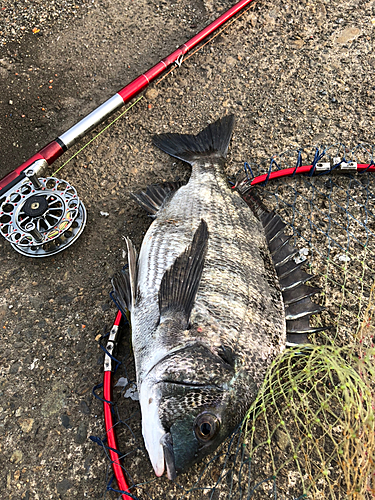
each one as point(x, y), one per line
point(293, 73)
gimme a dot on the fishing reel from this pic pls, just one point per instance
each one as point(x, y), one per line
point(41, 216)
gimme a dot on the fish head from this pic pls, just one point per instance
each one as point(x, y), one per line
point(190, 403)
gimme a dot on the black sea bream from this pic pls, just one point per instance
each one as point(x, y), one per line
point(207, 312)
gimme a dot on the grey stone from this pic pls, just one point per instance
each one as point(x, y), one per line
point(65, 421)
point(15, 368)
point(63, 486)
point(81, 434)
point(84, 407)
point(53, 401)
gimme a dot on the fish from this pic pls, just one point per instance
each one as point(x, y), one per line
point(207, 310)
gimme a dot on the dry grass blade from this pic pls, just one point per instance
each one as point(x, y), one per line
point(314, 422)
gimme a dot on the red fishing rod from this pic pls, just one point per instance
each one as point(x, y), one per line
point(41, 216)
point(53, 150)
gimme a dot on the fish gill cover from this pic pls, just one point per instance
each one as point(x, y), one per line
point(311, 431)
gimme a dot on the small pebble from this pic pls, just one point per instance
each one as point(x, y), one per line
point(65, 421)
point(26, 424)
point(151, 94)
point(81, 434)
point(63, 486)
point(16, 457)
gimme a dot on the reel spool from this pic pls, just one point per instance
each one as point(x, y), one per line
point(41, 216)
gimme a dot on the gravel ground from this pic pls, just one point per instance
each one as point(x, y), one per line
point(293, 72)
point(25, 17)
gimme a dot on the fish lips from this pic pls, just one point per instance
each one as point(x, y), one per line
point(169, 459)
point(152, 429)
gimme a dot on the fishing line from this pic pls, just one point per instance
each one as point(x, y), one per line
point(178, 64)
point(98, 134)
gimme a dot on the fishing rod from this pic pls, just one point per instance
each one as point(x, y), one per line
point(334, 165)
point(41, 216)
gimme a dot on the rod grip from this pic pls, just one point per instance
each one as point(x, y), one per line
point(50, 153)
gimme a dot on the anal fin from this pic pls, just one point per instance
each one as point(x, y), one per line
point(155, 195)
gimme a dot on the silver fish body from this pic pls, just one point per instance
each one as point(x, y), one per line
point(199, 367)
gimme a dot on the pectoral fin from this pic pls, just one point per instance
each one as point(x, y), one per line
point(181, 281)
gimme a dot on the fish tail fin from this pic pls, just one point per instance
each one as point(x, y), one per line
point(211, 142)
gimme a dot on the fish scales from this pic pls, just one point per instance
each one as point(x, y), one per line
point(235, 236)
point(198, 371)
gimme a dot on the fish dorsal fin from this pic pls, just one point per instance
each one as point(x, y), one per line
point(155, 195)
point(124, 283)
point(296, 295)
point(212, 142)
point(181, 281)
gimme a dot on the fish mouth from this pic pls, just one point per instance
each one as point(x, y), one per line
point(169, 460)
point(157, 439)
point(162, 457)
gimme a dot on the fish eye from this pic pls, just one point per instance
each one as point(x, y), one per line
point(206, 426)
